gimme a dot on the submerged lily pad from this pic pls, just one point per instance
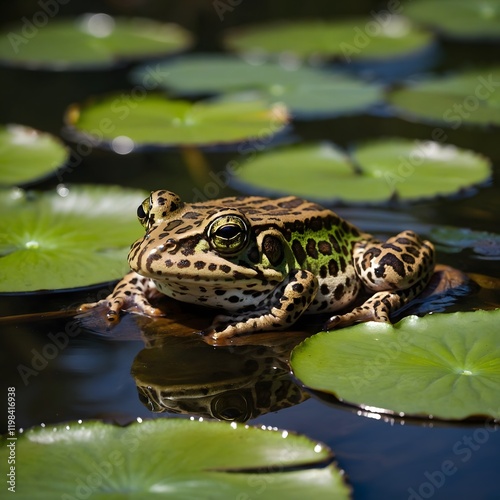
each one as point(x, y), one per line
point(470, 97)
point(90, 41)
point(444, 365)
point(352, 39)
point(452, 239)
point(66, 239)
point(458, 18)
point(154, 120)
point(172, 458)
point(303, 90)
point(27, 154)
point(375, 171)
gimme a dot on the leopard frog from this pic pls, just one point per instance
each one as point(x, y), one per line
point(266, 262)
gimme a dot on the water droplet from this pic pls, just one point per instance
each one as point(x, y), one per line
point(98, 25)
point(32, 244)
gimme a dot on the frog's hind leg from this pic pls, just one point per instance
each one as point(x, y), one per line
point(396, 270)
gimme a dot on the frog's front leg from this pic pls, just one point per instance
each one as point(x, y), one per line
point(131, 294)
point(397, 270)
point(285, 305)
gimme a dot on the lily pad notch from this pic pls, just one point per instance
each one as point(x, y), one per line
point(372, 172)
point(158, 122)
point(204, 460)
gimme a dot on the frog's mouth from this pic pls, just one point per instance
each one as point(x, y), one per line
point(188, 272)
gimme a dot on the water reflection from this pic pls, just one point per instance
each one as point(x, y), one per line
point(184, 374)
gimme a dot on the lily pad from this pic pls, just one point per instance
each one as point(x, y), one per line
point(444, 365)
point(458, 18)
point(90, 41)
point(155, 121)
point(171, 458)
point(27, 154)
point(377, 37)
point(373, 172)
point(485, 245)
point(469, 97)
point(305, 91)
point(66, 239)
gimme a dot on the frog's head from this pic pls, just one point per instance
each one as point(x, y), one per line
point(212, 242)
point(158, 207)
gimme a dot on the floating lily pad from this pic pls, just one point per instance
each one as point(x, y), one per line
point(171, 458)
point(444, 365)
point(90, 41)
point(155, 121)
point(470, 97)
point(452, 239)
point(66, 239)
point(27, 154)
point(458, 18)
point(375, 171)
point(351, 39)
point(305, 91)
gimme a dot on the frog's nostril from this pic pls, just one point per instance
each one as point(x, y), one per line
point(170, 245)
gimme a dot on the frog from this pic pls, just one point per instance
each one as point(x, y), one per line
point(264, 262)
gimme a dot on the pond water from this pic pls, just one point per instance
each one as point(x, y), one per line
point(65, 371)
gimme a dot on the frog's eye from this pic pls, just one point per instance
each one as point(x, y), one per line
point(232, 406)
point(143, 212)
point(228, 234)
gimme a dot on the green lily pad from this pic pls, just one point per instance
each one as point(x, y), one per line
point(352, 39)
point(470, 97)
point(27, 154)
point(444, 365)
point(90, 41)
point(154, 120)
point(458, 18)
point(171, 458)
point(375, 171)
point(452, 239)
point(303, 90)
point(66, 239)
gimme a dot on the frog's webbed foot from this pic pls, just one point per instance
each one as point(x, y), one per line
point(130, 294)
point(287, 303)
point(377, 308)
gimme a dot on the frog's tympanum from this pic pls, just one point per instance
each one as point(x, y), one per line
point(266, 262)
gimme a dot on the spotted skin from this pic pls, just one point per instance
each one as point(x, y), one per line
point(266, 262)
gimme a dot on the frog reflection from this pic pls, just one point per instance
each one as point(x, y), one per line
point(236, 383)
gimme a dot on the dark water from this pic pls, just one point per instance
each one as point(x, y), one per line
point(61, 377)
